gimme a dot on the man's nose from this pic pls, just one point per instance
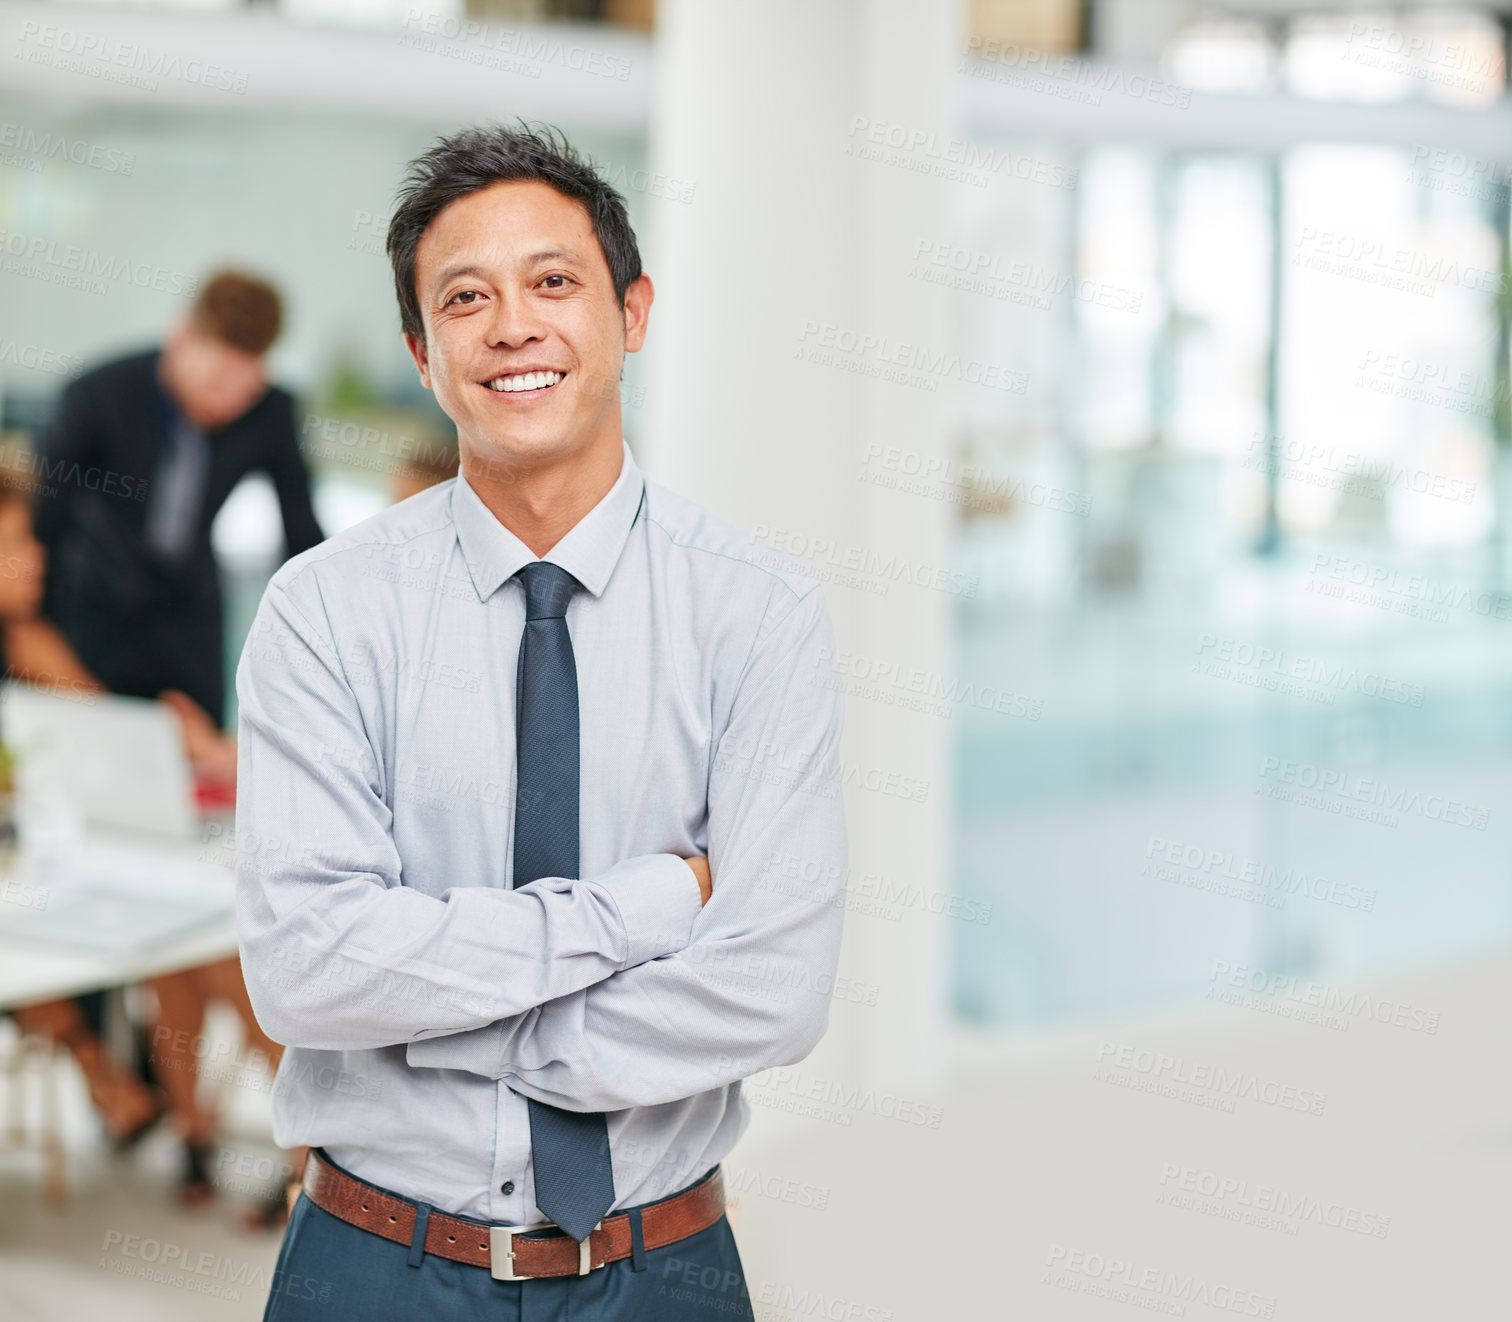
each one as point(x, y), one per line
point(514, 321)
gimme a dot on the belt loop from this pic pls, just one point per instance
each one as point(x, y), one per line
point(637, 1243)
point(417, 1240)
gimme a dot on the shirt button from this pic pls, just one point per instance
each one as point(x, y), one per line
point(507, 1187)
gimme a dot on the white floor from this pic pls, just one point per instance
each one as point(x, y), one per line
point(122, 1249)
point(1042, 1174)
point(1050, 1189)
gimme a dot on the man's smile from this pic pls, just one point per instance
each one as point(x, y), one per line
point(537, 381)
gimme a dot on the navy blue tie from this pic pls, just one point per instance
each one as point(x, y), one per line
point(574, 1180)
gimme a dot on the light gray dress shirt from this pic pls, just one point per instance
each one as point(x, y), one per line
point(421, 998)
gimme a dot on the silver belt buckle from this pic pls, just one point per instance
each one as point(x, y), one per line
point(585, 1252)
point(501, 1250)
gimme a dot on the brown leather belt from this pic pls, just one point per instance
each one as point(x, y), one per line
point(505, 1250)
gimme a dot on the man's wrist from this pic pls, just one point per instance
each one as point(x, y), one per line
point(699, 866)
point(656, 903)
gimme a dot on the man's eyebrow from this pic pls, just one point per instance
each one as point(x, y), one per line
point(452, 272)
point(551, 255)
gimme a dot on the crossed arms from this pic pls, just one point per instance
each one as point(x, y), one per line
point(591, 993)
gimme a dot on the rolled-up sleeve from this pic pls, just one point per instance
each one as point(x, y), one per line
point(752, 988)
point(338, 953)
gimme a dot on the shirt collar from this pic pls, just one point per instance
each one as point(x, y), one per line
point(588, 552)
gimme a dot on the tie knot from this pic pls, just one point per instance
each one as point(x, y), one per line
point(548, 589)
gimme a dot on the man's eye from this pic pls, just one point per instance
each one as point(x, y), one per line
point(561, 282)
point(466, 294)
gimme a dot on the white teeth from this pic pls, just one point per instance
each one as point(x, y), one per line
point(525, 381)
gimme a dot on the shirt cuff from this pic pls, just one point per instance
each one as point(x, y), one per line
point(458, 1051)
point(658, 899)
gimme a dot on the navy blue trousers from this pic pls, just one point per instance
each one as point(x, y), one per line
point(329, 1271)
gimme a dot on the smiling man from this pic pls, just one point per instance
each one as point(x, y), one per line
point(542, 839)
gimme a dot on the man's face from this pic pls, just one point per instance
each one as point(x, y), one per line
point(212, 382)
point(524, 338)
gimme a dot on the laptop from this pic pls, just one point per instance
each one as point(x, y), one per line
point(129, 878)
point(119, 762)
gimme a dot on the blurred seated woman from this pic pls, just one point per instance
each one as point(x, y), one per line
point(127, 1106)
point(37, 653)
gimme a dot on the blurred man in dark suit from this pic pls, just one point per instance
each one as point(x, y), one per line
point(140, 459)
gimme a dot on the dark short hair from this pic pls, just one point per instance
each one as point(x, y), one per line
point(239, 310)
point(477, 158)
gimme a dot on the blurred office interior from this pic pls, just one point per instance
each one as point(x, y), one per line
point(1136, 375)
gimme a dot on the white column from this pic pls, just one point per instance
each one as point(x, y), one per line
point(790, 230)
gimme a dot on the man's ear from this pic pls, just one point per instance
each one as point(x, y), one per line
point(416, 345)
point(638, 296)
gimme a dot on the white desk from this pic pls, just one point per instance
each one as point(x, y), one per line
point(31, 972)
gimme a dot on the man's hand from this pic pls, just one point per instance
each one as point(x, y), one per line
point(700, 866)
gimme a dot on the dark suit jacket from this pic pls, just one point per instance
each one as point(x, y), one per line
point(141, 622)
